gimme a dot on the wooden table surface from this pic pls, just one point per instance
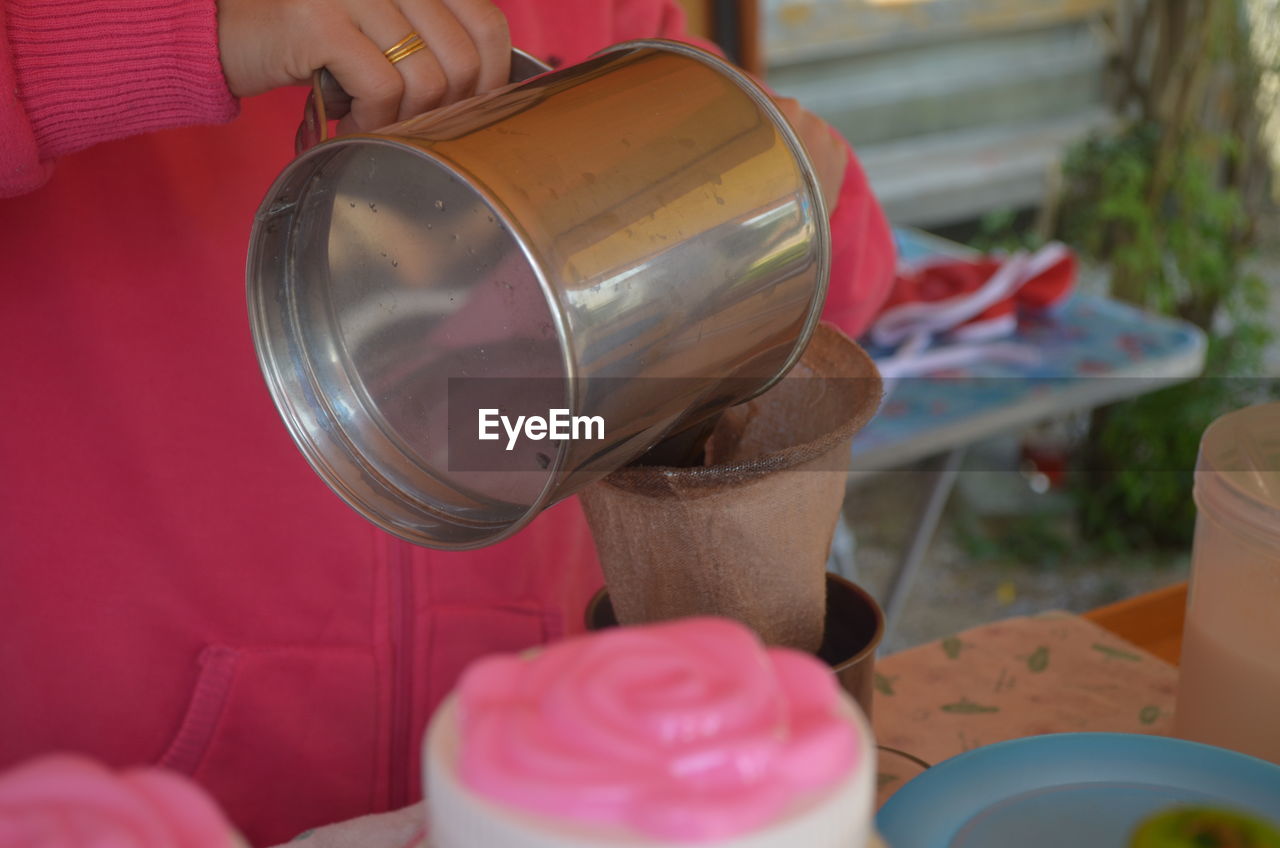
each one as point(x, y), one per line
point(1152, 621)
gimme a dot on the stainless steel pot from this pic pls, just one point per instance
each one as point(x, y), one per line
point(640, 237)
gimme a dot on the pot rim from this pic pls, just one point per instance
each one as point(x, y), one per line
point(867, 651)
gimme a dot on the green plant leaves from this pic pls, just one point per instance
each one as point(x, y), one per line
point(1039, 659)
point(966, 707)
point(951, 646)
point(1115, 653)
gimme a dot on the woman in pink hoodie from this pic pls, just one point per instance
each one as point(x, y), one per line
point(176, 586)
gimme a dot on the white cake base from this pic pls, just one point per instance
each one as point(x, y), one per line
point(841, 817)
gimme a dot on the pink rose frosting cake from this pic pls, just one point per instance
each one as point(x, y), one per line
point(683, 733)
point(70, 801)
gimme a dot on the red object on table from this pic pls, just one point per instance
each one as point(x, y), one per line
point(972, 300)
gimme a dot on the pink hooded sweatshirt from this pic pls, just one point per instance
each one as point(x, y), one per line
point(177, 587)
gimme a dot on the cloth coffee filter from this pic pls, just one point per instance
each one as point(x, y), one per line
point(746, 535)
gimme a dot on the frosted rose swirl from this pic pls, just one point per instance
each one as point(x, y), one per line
point(689, 730)
point(69, 801)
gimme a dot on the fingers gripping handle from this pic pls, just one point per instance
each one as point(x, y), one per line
point(327, 100)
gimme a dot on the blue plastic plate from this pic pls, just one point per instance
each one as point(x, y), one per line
point(1070, 790)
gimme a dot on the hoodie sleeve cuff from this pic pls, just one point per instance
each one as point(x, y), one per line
point(89, 71)
point(863, 255)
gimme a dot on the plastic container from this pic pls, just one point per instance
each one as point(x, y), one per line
point(1229, 692)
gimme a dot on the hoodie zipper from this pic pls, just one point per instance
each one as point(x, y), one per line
point(402, 673)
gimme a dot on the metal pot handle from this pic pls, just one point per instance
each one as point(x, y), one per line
point(327, 96)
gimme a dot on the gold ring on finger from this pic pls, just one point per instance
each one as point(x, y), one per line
point(404, 48)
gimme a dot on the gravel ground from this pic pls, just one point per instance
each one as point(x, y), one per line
point(968, 577)
point(958, 588)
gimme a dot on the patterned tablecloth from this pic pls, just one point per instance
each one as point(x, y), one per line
point(1046, 674)
point(1050, 673)
point(1090, 351)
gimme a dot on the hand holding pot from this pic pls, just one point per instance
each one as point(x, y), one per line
point(266, 44)
point(829, 154)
